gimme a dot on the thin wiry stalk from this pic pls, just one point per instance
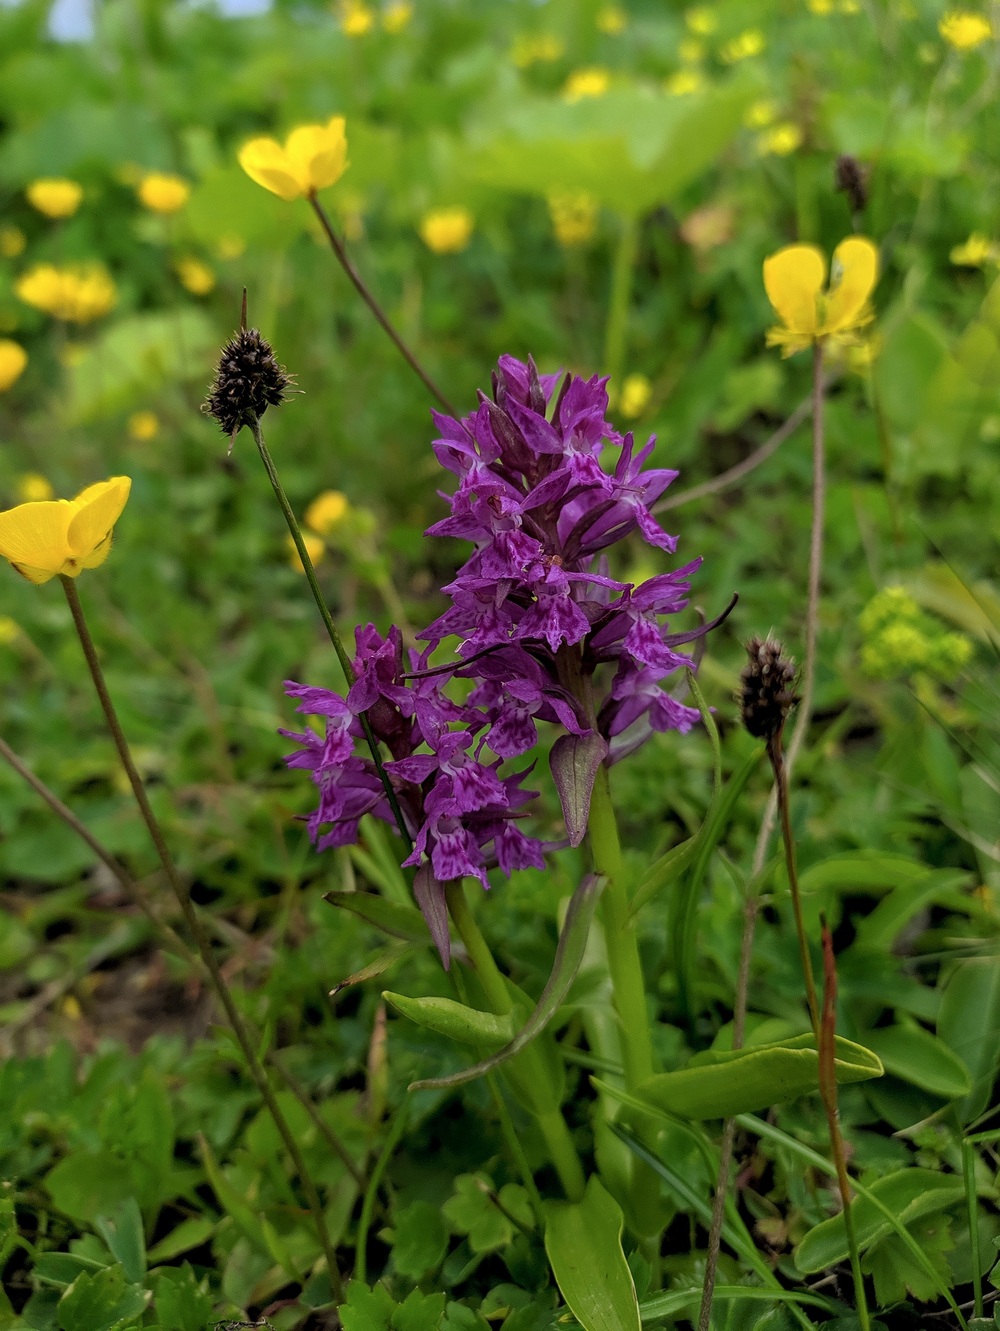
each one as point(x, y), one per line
point(197, 932)
point(363, 290)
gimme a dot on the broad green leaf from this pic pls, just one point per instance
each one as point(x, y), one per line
point(86, 1183)
point(391, 917)
point(569, 954)
point(721, 1083)
point(880, 927)
point(100, 1301)
point(895, 1271)
point(907, 1193)
point(189, 1234)
point(968, 1021)
point(419, 1312)
point(861, 870)
point(421, 1240)
point(366, 1309)
point(910, 1052)
point(465, 1024)
point(181, 1301)
point(583, 1241)
point(470, 1210)
point(123, 1233)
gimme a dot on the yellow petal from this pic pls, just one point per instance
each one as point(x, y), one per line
point(97, 509)
point(855, 272)
point(266, 162)
point(34, 537)
point(792, 279)
point(317, 154)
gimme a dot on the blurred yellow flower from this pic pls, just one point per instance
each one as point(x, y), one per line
point(611, 20)
point(13, 359)
point(533, 48)
point(162, 192)
point(315, 549)
point(63, 536)
point(10, 630)
point(820, 7)
point(143, 426)
point(55, 197)
point(701, 20)
point(683, 83)
point(12, 242)
point(396, 15)
point(78, 293)
point(636, 392)
point(965, 30)
point(977, 251)
point(747, 44)
point(195, 276)
point(326, 511)
point(447, 230)
point(760, 114)
point(313, 157)
point(574, 216)
point(793, 280)
point(592, 81)
point(355, 18)
point(690, 51)
point(779, 140)
point(230, 245)
point(32, 487)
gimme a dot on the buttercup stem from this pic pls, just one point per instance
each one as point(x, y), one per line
point(618, 301)
point(781, 786)
point(197, 932)
point(324, 611)
point(561, 1150)
point(361, 287)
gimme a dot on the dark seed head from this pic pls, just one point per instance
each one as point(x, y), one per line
point(852, 180)
point(248, 380)
point(767, 688)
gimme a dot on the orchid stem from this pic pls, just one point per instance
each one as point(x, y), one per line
point(363, 290)
point(197, 932)
point(618, 301)
point(324, 611)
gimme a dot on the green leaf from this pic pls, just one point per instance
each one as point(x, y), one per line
point(86, 1183)
point(878, 931)
point(123, 1233)
point(721, 1083)
point(968, 1021)
point(584, 1245)
point(231, 1199)
point(419, 1312)
point(896, 1274)
point(100, 1301)
point(391, 917)
point(908, 1194)
point(471, 1211)
point(421, 1240)
point(188, 1234)
point(910, 1052)
point(676, 1301)
point(467, 1025)
point(569, 954)
point(182, 1302)
point(366, 1309)
point(574, 761)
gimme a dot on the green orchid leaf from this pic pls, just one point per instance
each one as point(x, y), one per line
point(583, 1241)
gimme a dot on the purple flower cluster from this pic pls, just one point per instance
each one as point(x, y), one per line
point(541, 628)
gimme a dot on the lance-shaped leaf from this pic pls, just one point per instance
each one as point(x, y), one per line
point(467, 1025)
point(720, 1084)
point(574, 761)
point(569, 954)
point(385, 961)
point(391, 917)
point(429, 894)
point(583, 1241)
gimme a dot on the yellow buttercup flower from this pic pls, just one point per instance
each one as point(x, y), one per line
point(683, 83)
point(13, 242)
point(162, 192)
point(326, 511)
point(592, 81)
point(13, 359)
point(574, 216)
point(315, 549)
point(793, 280)
point(536, 48)
point(313, 157)
point(611, 20)
point(965, 30)
point(821, 7)
point(636, 392)
point(143, 426)
point(396, 16)
point(355, 18)
point(79, 293)
point(747, 44)
point(63, 536)
point(447, 230)
point(760, 114)
point(55, 197)
point(10, 631)
point(977, 251)
point(779, 140)
point(701, 20)
point(195, 276)
point(33, 487)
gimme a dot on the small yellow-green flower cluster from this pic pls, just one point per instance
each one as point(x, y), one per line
point(537, 48)
point(901, 639)
point(574, 216)
point(975, 252)
point(742, 47)
point(78, 293)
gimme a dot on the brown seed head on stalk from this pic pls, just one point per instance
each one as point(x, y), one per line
point(852, 180)
point(767, 688)
point(248, 380)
